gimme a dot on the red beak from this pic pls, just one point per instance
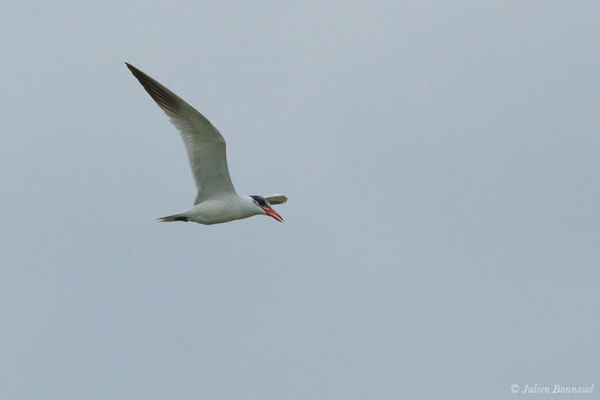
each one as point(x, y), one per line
point(273, 214)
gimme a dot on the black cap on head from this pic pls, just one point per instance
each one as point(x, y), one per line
point(262, 202)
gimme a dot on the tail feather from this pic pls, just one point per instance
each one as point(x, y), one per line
point(173, 218)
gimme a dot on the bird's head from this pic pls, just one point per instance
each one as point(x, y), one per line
point(266, 208)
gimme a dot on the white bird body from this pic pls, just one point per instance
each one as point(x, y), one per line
point(219, 210)
point(216, 201)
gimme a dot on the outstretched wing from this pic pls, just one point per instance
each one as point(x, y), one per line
point(276, 199)
point(204, 143)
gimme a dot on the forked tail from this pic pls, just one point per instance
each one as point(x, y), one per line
point(173, 218)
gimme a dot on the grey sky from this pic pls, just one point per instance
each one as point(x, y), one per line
point(442, 234)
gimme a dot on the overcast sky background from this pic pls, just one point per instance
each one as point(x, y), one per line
point(442, 235)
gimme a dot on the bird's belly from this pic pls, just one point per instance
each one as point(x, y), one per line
point(210, 213)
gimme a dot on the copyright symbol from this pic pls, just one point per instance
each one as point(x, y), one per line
point(514, 388)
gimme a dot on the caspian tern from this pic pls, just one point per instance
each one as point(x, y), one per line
point(217, 200)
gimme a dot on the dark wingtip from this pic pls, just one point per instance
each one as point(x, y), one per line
point(167, 100)
point(133, 69)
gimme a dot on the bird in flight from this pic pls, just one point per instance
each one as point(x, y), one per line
point(216, 201)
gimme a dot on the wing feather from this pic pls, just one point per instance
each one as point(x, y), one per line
point(276, 199)
point(205, 145)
